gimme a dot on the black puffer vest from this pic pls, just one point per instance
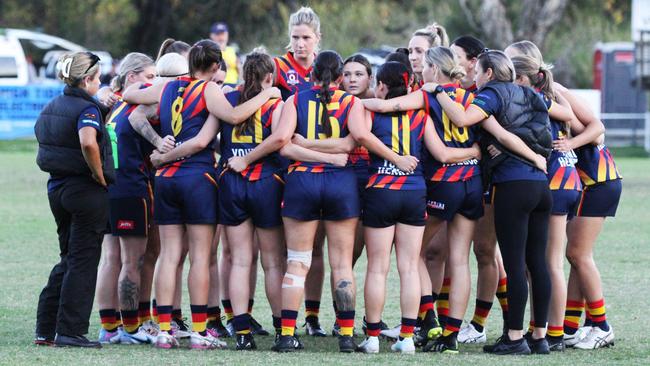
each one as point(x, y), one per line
point(524, 114)
point(59, 149)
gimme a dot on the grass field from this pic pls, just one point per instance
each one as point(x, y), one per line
point(29, 248)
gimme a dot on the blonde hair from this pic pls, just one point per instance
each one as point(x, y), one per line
point(135, 63)
point(501, 65)
point(74, 67)
point(528, 48)
point(435, 34)
point(172, 65)
point(539, 76)
point(443, 57)
point(305, 15)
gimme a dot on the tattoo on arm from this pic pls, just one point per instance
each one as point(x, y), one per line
point(397, 107)
point(344, 295)
point(129, 294)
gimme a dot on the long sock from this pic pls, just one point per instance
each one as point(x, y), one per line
point(407, 327)
point(555, 331)
point(242, 323)
point(452, 326)
point(107, 318)
point(598, 316)
point(165, 317)
point(502, 295)
point(589, 322)
point(572, 315)
point(345, 320)
point(177, 314)
point(277, 324)
point(481, 312)
point(434, 299)
point(199, 317)
point(227, 308)
point(373, 329)
point(312, 308)
point(288, 322)
point(154, 310)
point(251, 302)
point(426, 304)
point(214, 313)
point(443, 301)
point(144, 311)
point(130, 321)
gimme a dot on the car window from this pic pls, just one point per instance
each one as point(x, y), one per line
point(8, 67)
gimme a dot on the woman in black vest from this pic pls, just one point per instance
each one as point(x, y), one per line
point(522, 200)
point(74, 148)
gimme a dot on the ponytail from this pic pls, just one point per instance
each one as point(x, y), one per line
point(539, 75)
point(171, 45)
point(328, 67)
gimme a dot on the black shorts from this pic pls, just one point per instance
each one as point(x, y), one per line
point(600, 199)
point(446, 199)
point(240, 199)
point(565, 201)
point(129, 216)
point(386, 207)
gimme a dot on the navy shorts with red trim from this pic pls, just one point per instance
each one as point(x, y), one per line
point(187, 199)
point(129, 216)
point(240, 199)
point(600, 199)
point(446, 199)
point(565, 201)
point(386, 207)
point(331, 195)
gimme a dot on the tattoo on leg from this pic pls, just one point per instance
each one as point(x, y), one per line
point(129, 293)
point(344, 295)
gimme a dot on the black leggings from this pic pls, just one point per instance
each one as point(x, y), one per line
point(521, 213)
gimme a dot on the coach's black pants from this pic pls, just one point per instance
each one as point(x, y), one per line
point(80, 208)
point(521, 215)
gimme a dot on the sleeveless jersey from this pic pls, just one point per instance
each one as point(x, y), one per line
point(232, 144)
point(596, 164)
point(402, 132)
point(451, 136)
point(309, 110)
point(562, 172)
point(291, 78)
point(183, 112)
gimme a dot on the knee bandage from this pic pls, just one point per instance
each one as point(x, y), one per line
point(298, 256)
point(291, 280)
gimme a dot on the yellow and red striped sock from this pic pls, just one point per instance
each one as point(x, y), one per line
point(288, 322)
point(407, 328)
point(154, 310)
point(373, 329)
point(144, 311)
point(214, 313)
point(165, 317)
point(312, 308)
point(242, 323)
point(452, 326)
point(481, 312)
point(199, 317)
point(107, 318)
point(555, 331)
point(426, 304)
point(345, 320)
point(572, 315)
point(442, 303)
point(597, 313)
point(227, 308)
point(130, 320)
point(502, 295)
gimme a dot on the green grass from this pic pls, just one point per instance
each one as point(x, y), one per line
point(28, 246)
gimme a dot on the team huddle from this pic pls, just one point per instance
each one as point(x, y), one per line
point(452, 144)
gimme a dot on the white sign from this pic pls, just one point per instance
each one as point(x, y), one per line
point(640, 18)
point(592, 97)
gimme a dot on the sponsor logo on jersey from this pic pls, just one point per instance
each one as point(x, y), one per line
point(436, 205)
point(125, 225)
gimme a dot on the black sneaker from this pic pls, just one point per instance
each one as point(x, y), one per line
point(505, 346)
point(218, 327)
point(556, 344)
point(443, 344)
point(538, 346)
point(429, 329)
point(489, 348)
point(346, 344)
point(75, 341)
point(257, 329)
point(313, 328)
point(245, 342)
point(364, 326)
point(286, 344)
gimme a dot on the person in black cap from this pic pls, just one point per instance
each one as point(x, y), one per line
point(219, 34)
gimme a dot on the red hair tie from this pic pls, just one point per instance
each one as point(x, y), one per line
point(405, 75)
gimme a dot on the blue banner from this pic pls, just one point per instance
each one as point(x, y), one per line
point(20, 107)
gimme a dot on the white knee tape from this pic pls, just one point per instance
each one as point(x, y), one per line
point(298, 256)
point(296, 281)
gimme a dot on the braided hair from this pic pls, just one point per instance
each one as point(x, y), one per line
point(328, 67)
point(257, 66)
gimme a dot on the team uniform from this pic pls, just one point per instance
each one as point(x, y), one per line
point(321, 191)
point(392, 195)
point(291, 78)
point(563, 177)
point(601, 179)
point(359, 159)
point(256, 192)
point(186, 191)
point(452, 188)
